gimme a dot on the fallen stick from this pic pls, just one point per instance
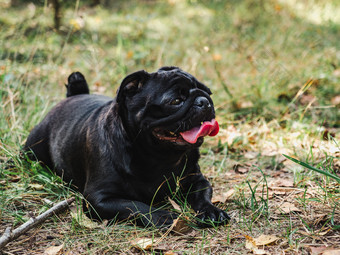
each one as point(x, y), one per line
point(10, 235)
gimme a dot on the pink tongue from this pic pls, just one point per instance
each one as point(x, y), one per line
point(210, 128)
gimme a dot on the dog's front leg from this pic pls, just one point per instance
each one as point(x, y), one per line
point(104, 207)
point(199, 193)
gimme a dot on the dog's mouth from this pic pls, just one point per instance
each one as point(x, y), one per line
point(191, 136)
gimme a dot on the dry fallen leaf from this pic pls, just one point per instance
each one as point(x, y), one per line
point(170, 253)
point(265, 239)
point(331, 252)
point(241, 169)
point(279, 182)
point(82, 219)
point(323, 250)
point(287, 207)
point(180, 226)
point(250, 242)
point(251, 245)
point(143, 243)
point(174, 205)
point(54, 250)
point(223, 197)
point(315, 250)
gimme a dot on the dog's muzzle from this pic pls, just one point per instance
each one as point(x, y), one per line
point(197, 97)
point(207, 127)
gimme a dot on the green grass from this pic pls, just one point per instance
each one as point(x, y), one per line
point(324, 172)
point(274, 72)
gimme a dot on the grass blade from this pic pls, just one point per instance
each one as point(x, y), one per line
point(335, 177)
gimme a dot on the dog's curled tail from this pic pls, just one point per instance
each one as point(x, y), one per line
point(76, 85)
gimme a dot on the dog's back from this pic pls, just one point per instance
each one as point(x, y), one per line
point(76, 85)
point(67, 118)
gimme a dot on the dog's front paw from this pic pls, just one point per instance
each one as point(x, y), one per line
point(210, 216)
point(159, 219)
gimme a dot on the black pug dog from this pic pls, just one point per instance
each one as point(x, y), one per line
point(128, 154)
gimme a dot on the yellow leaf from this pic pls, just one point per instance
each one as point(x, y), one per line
point(129, 54)
point(217, 57)
point(251, 244)
point(277, 7)
point(77, 23)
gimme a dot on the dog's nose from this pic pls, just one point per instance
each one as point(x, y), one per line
point(202, 102)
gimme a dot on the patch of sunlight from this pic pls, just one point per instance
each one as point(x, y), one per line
point(5, 3)
point(94, 22)
point(182, 13)
point(316, 12)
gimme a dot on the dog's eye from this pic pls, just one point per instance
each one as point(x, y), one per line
point(176, 101)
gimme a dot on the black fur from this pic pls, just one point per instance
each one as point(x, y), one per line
point(76, 85)
point(110, 150)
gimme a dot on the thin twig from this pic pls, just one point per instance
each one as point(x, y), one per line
point(9, 235)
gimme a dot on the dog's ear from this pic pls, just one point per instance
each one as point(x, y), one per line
point(132, 84)
point(203, 87)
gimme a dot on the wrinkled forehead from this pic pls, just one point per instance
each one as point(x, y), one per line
point(174, 78)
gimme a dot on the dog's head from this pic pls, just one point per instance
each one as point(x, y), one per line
point(168, 107)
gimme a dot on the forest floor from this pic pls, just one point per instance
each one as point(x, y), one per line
point(274, 69)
